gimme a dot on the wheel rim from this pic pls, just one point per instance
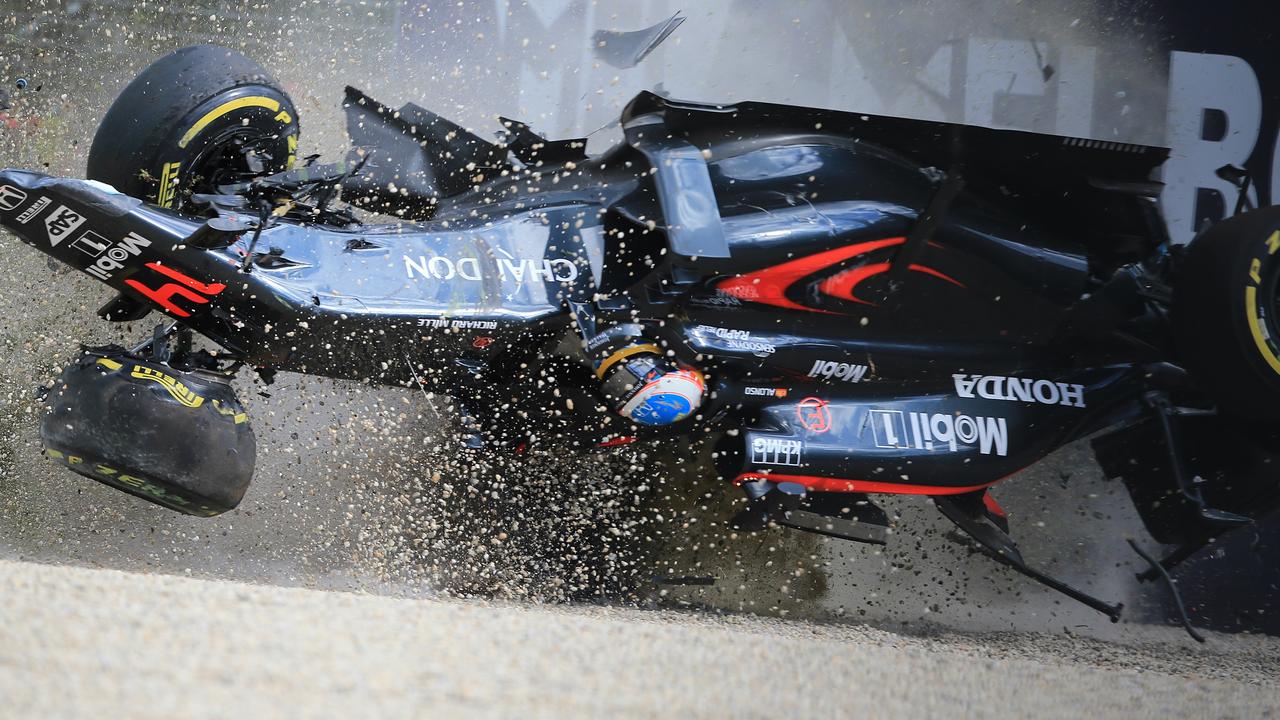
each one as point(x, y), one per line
point(228, 158)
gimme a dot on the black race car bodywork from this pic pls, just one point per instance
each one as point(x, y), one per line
point(879, 305)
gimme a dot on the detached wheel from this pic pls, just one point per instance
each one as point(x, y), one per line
point(197, 118)
point(1227, 313)
point(178, 439)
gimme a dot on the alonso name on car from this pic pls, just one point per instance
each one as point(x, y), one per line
point(738, 340)
point(41, 203)
point(108, 258)
point(901, 430)
point(776, 451)
point(765, 392)
point(1000, 387)
point(59, 223)
point(831, 370)
point(440, 267)
point(11, 197)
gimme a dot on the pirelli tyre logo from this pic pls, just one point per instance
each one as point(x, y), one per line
point(1267, 345)
point(176, 389)
point(168, 184)
point(41, 203)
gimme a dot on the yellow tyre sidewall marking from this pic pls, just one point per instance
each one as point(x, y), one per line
point(223, 109)
point(1251, 305)
point(168, 184)
point(1255, 327)
point(106, 473)
point(178, 390)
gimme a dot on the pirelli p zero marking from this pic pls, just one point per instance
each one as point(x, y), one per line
point(223, 109)
point(137, 484)
point(1256, 314)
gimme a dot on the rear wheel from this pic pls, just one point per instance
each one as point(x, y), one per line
point(1227, 313)
point(197, 118)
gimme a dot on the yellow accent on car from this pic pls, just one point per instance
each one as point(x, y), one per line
point(180, 392)
point(223, 109)
point(236, 417)
point(626, 353)
point(1255, 327)
point(168, 184)
point(109, 363)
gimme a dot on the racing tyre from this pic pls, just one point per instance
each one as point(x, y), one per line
point(197, 118)
point(178, 439)
point(1226, 313)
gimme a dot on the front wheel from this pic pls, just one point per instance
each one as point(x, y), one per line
point(200, 117)
point(1226, 313)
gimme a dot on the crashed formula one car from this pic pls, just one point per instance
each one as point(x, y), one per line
point(848, 305)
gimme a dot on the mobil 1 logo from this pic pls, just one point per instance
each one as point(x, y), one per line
point(828, 369)
point(108, 256)
point(905, 430)
point(59, 224)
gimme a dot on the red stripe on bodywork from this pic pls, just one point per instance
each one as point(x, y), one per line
point(769, 285)
point(843, 284)
point(823, 484)
point(992, 506)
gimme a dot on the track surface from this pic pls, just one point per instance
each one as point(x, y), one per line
point(80, 642)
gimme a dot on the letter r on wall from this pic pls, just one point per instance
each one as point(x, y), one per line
point(1201, 86)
